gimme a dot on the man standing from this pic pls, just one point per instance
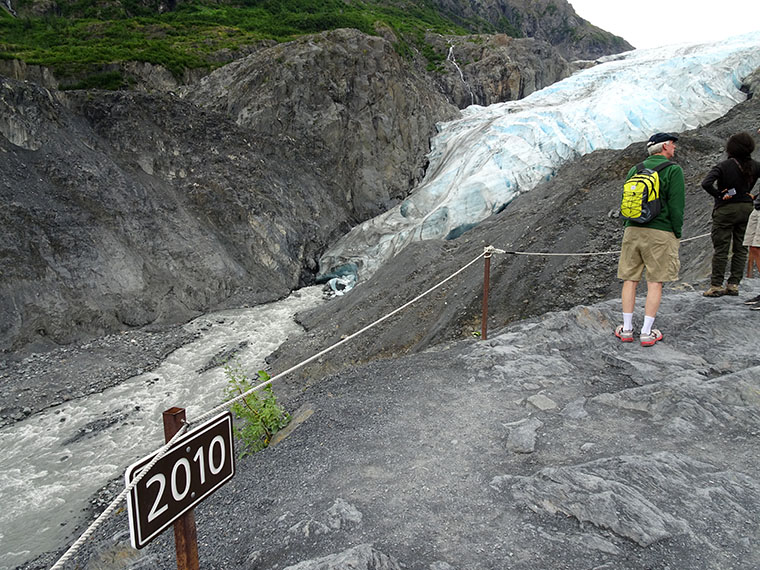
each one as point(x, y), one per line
point(654, 244)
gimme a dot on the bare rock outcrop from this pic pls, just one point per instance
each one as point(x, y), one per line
point(127, 209)
point(362, 557)
point(486, 69)
point(553, 21)
point(349, 100)
point(17, 69)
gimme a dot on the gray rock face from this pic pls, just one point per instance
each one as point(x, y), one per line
point(8, 5)
point(553, 21)
point(484, 69)
point(126, 209)
point(144, 209)
point(141, 208)
point(615, 494)
point(522, 437)
point(362, 557)
point(349, 100)
point(16, 69)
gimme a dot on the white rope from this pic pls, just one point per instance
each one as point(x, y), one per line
point(695, 237)
point(120, 497)
point(551, 254)
point(591, 253)
point(487, 252)
point(200, 419)
point(334, 346)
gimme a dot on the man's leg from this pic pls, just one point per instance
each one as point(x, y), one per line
point(628, 296)
point(754, 253)
point(654, 296)
point(630, 265)
point(650, 336)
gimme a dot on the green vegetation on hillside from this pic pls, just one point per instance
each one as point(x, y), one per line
point(86, 35)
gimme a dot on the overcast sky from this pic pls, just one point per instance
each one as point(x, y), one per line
point(654, 24)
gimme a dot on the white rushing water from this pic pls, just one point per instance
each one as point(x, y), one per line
point(55, 461)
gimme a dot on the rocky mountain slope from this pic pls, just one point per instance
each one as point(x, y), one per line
point(482, 70)
point(122, 210)
point(573, 212)
point(127, 209)
point(550, 20)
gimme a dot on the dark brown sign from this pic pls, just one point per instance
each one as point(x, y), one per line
point(196, 465)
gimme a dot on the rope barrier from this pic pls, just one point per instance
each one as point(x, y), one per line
point(552, 254)
point(203, 417)
point(119, 498)
point(548, 254)
point(487, 252)
point(695, 237)
point(336, 345)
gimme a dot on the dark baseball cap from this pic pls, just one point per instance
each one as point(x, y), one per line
point(660, 138)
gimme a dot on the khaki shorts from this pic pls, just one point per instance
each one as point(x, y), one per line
point(655, 250)
point(752, 235)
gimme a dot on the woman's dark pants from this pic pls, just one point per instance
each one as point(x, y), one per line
point(729, 222)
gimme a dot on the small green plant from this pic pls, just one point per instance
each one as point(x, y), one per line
point(259, 416)
point(107, 80)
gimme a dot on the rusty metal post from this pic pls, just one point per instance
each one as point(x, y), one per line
point(185, 535)
point(486, 280)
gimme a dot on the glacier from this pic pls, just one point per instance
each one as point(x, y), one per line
point(483, 160)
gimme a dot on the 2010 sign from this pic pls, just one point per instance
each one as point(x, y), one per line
point(196, 465)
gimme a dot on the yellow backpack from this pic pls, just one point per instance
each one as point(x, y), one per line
point(641, 194)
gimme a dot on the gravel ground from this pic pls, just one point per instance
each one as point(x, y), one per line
point(34, 382)
point(551, 445)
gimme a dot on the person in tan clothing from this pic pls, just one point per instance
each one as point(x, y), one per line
point(652, 245)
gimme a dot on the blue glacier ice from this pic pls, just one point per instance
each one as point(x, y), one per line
point(480, 162)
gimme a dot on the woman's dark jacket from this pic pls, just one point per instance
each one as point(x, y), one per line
point(727, 174)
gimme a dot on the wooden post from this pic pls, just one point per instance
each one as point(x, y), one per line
point(185, 535)
point(486, 280)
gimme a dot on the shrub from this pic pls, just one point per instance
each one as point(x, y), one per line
point(82, 36)
point(259, 416)
point(111, 80)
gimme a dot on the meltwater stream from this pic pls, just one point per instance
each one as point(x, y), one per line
point(55, 461)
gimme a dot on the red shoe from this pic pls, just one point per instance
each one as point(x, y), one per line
point(624, 336)
point(651, 338)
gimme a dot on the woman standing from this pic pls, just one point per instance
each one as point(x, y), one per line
point(729, 183)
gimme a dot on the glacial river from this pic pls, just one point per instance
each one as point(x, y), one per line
point(54, 462)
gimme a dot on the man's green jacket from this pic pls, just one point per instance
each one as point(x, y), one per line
point(672, 197)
